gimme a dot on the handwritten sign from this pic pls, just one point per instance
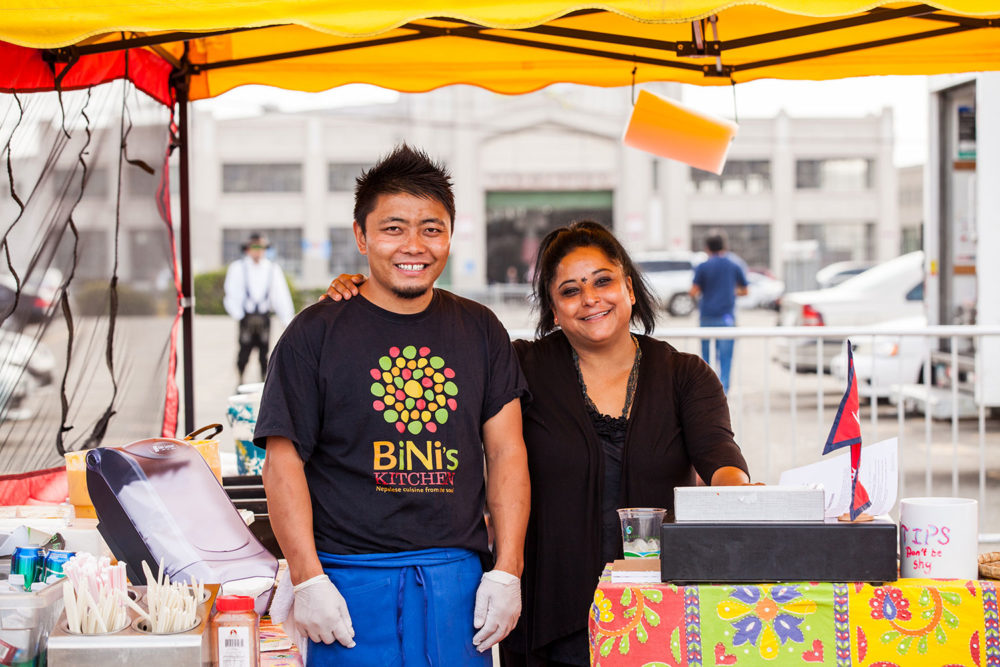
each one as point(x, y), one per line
point(938, 538)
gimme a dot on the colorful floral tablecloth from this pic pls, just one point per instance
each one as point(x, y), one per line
point(908, 622)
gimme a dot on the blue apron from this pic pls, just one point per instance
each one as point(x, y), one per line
point(408, 608)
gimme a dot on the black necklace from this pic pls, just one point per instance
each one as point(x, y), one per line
point(633, 378)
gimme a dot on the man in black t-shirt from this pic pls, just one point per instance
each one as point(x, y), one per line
point(376, 416)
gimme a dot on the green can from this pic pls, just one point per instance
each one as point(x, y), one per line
point(54, 562)
point(29, 562)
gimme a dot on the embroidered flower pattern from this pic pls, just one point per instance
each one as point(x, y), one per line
point(888, 603)
point(601, 608)
point(637, 614)
point(929, 614)
point(766, 617)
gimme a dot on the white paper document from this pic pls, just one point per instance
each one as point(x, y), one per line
point(879, 473)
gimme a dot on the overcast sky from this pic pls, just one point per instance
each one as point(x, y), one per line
point(906, 95)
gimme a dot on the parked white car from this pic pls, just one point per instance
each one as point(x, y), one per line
point(763, 291)
point(885, 359)
point(836, 273)
point(888, 291)
point(670, 275)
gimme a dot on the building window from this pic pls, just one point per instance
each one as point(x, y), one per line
point(93, 255)
point(139, 183)
point(262, 177)
point(840, 175)
point(751, 241)
point(285, 250)
point(149, 253)
point(517, 221)
point(68, 181)
point(912, 239)
point(738, 177)
point(344, 255)
point(340, 176)
point(840, 241)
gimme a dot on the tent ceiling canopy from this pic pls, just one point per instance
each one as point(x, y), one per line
point(515, 46)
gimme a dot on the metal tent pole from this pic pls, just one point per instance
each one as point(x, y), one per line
point(187, 284)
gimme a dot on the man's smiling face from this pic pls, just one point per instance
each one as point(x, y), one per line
point(407, 240)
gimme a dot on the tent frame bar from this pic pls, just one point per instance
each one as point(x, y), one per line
point(477, 33)
point(430, 32)
point(485, 33)
point(917, 11)
point(67, 52)
point(852, 47)
point(180, 81)
point(710, 45)
point(473, 31)
point(197, 68)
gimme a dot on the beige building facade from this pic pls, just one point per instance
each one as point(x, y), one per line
point(524, 164)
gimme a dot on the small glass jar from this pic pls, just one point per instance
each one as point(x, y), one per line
point(235, 631)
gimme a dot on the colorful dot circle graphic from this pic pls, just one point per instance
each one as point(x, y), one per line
point(414, 390)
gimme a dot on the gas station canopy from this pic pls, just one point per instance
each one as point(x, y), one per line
point(508, 46)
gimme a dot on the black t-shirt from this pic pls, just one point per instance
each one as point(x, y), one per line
point(386, 411)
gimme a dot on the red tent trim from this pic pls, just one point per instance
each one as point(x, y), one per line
point(25, 71)
point(48, 486)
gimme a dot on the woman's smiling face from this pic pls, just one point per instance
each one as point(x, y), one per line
point(591, 296)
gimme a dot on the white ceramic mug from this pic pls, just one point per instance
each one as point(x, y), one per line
point(939, 538)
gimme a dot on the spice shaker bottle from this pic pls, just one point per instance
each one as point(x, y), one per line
point(235, 632)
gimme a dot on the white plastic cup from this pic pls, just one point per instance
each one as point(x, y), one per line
point(641, 531)
point(939, 538)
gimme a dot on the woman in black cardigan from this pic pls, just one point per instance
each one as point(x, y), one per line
point(616, 420)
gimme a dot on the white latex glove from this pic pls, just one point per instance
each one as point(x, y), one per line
point(282, 612)
point(320, 612)
point(498, 604)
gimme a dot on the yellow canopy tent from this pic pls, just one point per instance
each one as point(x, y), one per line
point(515, 46)
point(202, 48)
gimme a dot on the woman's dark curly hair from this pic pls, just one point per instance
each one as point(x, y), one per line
point(586, 234)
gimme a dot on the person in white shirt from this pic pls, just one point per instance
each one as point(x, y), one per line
point(255, 287)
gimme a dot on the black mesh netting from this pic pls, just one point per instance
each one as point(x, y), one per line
point(88, 294)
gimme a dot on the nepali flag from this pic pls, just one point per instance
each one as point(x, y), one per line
point(846, 431)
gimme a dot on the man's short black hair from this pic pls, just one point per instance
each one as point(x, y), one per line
point(715, 241)
point(403, 171)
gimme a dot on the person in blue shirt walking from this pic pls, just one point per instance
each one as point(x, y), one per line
point(718, 281)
